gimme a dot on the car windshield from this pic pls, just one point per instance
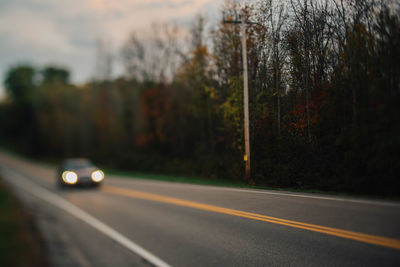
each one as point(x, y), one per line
point(78, 164)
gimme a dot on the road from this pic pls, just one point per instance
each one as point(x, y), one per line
point(135, 222)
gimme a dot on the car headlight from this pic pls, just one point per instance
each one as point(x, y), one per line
point(70, 177)
point(97, 176)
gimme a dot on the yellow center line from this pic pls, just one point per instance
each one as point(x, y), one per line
point(366, 238)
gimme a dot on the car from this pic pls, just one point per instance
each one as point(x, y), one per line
point(79, 171)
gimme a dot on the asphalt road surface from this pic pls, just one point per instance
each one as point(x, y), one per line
point(134, 222)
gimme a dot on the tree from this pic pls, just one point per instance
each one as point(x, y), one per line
point(55, 75)
point(20, 84)
point(104, 60)
point(154, 54)
point(21, 87)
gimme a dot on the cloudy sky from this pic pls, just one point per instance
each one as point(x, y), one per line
point(64, 32)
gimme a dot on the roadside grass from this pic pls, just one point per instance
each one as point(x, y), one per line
point(51, 163)
point(20, 241)
point(226, 183)
point(174, 178)
point(205, 181)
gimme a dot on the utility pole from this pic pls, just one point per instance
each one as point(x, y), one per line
point(245, 94)
point(246, 103)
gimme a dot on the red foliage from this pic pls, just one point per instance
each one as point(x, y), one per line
point(298, 115)
point(143, 139)
point(153, 104)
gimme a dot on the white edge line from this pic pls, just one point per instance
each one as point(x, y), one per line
point(63, 204)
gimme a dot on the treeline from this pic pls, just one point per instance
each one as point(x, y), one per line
point(324, 79)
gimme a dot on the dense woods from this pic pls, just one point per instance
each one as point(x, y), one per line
point(324, 89)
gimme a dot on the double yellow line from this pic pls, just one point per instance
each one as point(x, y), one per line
point(367, 238)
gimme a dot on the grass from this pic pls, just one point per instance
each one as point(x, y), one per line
point(20, 242)
point(50, 163)
point(199, 180)
point(139, 175)
point(174, 178)
point(227, 183)
point(205, 181)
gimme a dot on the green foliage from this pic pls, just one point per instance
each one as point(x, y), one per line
point(20, 84)
point(54, 75)
point(232, 113)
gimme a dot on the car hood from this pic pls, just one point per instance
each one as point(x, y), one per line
point(84, 172)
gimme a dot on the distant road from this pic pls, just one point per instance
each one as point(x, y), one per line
point(135, 222)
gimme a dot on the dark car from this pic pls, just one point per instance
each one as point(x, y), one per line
point(79, 171)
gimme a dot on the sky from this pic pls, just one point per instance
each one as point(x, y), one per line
point(64, 32)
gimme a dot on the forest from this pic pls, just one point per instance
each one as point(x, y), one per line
point(324, 99)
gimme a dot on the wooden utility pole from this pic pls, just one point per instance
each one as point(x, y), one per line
point(246, 157)
point(246, 103)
